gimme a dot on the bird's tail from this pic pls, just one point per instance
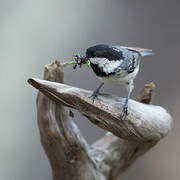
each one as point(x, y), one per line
point(143, 52)
point(146, 52)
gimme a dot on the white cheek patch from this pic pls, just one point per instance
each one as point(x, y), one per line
point(106, 65)
point(99, 60)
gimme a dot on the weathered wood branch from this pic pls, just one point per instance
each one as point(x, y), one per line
point(69, 154)
point(62, 141)
point(144, 122)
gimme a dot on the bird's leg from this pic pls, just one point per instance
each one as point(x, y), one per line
point(125, 107)
point(124, 112)
point(96, 92)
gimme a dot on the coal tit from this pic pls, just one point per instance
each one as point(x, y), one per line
point(117, 64)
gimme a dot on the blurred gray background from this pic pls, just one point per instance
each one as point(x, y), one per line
point(36, 32)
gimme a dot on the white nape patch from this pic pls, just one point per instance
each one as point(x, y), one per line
point(106, 65)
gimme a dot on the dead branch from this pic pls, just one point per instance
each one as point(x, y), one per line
point(68, 152)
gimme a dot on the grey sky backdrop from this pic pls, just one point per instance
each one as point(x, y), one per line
point(36, 32)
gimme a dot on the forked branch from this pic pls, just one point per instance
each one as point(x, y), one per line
point(69, 154)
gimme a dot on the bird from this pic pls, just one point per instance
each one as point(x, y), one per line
point(118, 64)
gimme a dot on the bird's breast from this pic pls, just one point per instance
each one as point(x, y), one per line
point(122, 78)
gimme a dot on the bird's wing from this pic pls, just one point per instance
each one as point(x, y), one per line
point(130, 58)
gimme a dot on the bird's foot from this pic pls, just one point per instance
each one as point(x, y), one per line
point(124, 112)
point(96, 92)
point(94, 95)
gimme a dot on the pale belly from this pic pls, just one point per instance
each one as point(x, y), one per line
point(126, 78)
